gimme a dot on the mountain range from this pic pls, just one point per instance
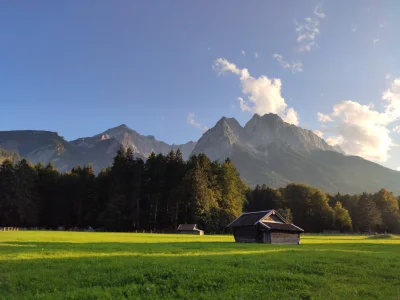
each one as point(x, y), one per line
point(266, 150)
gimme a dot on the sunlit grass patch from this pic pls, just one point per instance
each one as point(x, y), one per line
point(73, 265)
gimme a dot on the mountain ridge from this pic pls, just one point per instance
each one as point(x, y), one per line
point(266, 150)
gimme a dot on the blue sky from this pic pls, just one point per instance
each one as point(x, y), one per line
point(165, 68)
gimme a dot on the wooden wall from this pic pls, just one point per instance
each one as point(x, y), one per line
point(248, 234)
point(285, 237)
point(252, 234)
point(266, 237)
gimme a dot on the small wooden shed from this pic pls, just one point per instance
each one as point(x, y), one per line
point(189, 229)
point(264, 227)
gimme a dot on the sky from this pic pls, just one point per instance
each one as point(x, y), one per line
point(172, 69)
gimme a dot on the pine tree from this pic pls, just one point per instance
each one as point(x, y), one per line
point(8, 211)
point(233, 193)
point(49, 195)
point(154, 188)
point(26, 202)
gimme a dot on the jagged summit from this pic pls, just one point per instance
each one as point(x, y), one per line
point(258, 133)
point(122, 126)
point(118, 130)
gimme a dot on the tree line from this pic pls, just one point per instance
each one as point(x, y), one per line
point(315, 211)
point(165, 191)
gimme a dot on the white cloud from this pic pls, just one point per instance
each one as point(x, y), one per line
point(319, 133)
point(221, 65)
point(263, 94)
point(398, 169)
point(381, 25)
point(354, 28)
point(318, 12)
point(193, 122)
point(388, 76)
point(324, 118)
point(243, 53)
point(294, 66)
point(334, 140)
point(391, 97)
point(361, 129)
point(292, 117)
point(375, 41)
point(396, 129)
point(308, 30)
point(243, 104)
point(256, 55)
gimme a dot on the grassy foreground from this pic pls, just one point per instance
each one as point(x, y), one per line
point(73, 265)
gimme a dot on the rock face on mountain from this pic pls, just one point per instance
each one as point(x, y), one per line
point(269, 151)
point(99, 150)
point(257, 136)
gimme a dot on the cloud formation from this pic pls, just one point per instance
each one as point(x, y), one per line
point(193, 122)
point(308, 30)
point(318, 12)
point(396, 129)
point(324, 118)
point(294, 66)
point(243, 53)
point(361, 129)
point(256, 55)
point(263, 94)
point(375, 41)
point(319, 133)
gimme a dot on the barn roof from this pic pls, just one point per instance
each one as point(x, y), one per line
point(187, 227)
point(254, 218)
point(250, 218)
point(281, 226)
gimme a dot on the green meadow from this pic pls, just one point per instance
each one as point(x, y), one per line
point(77, 265)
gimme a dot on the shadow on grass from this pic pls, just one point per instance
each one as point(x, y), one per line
point(37, 250)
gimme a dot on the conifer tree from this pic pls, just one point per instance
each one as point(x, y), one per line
point(25, 194)
point(8, 210)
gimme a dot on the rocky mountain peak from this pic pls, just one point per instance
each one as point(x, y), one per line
point(259, 133)
point(117, 131)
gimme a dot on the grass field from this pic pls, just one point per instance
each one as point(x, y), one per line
point(73, 265)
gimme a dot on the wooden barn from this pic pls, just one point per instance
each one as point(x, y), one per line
point(189, 229)
point(264, 227)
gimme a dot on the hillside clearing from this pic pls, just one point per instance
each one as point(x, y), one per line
point(74, 265)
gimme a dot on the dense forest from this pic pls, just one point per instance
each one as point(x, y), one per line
point(165, 191)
